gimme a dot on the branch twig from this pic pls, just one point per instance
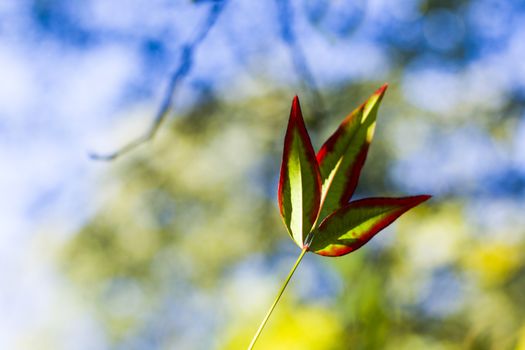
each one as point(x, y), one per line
point(177, 76)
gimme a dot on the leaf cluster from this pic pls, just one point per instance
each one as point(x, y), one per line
point(318, 187)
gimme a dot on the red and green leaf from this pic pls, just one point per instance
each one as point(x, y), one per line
point(299, 191)
point(353, 225)
point(343, 155)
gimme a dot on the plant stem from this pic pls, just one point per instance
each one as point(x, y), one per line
point(281, 291)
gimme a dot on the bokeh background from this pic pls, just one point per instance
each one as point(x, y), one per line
point(177, 244)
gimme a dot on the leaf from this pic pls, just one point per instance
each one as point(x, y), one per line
point(343, 155)
point(355, 224)
point(299, 193)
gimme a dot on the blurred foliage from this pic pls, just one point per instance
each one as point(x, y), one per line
point(296, 326)
point(161, 260)
point(189, 249)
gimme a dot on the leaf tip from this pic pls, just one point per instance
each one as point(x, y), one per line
point(296, 113)
point(378, 94)
point(421, 198)
point(376, 97)
point(413, 201)
point(295, 102)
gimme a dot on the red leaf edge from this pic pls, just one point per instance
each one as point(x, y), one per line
point(328, 146)
point(296, 121)
point(354, 172)
point(406, 204)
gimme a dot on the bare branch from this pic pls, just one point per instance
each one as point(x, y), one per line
point(177, 76)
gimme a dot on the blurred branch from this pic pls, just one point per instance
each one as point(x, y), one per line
point(177, 76)
point(286, 21)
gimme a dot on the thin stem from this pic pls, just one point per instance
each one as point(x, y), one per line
point(281, 291)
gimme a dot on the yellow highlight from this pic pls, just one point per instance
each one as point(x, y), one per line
point(370, 104)
point(521, 339)
point(330, 178)
point(494, 262)
point(296, 191)
point(293, 327)
point(370, 132)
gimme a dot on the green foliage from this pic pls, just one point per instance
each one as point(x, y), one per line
point(178, 218)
